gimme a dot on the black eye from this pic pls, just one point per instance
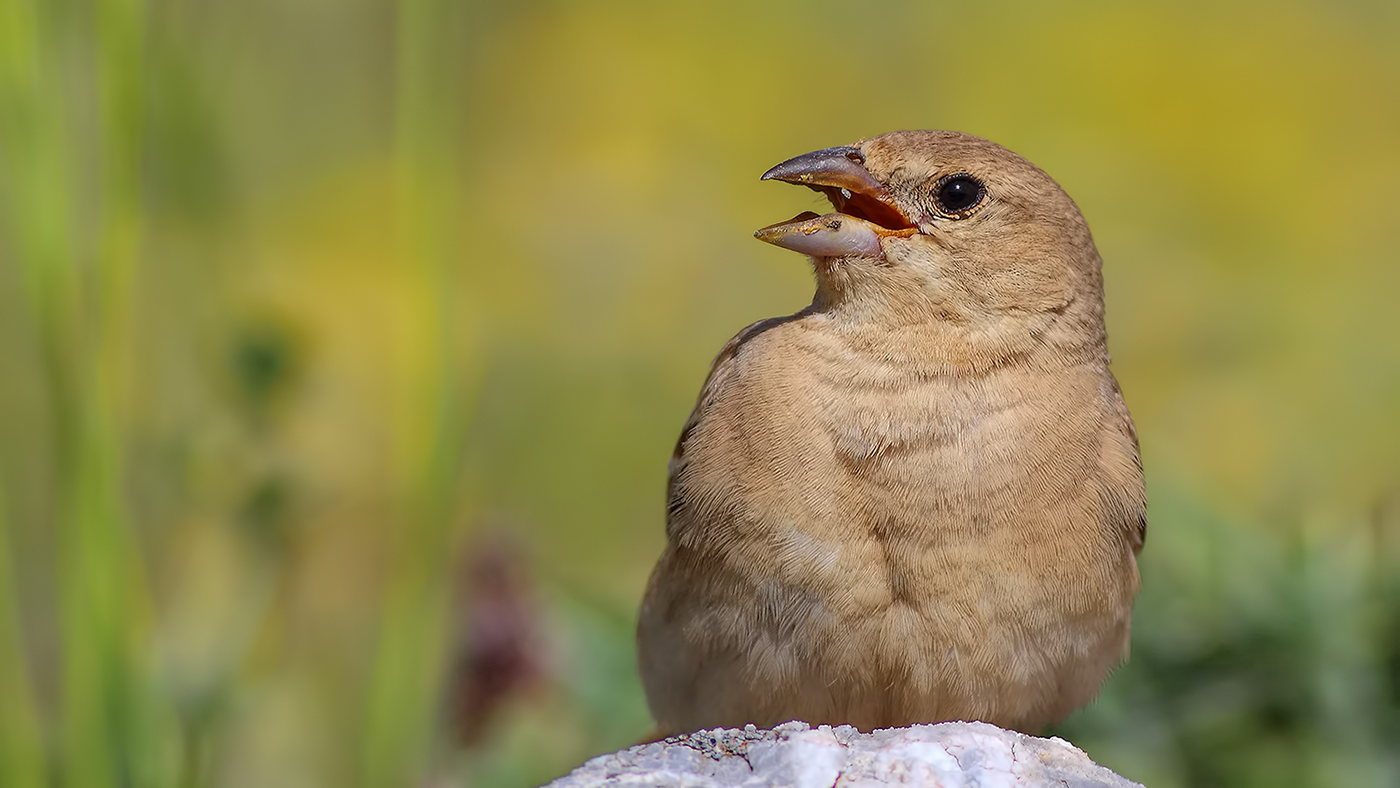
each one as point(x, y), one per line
point(957, 195)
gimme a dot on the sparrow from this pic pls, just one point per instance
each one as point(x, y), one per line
point(920, 498)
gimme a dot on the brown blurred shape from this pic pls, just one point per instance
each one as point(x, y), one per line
point(496, 654)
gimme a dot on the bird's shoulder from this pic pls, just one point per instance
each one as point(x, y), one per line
point(747, 355)
point(759, 344)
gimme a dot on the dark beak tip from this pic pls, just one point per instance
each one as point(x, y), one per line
point(790, 171)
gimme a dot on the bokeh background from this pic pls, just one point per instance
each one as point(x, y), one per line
point(343, 344)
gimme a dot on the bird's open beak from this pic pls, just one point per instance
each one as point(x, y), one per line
point(865, 209)
point(832, 235)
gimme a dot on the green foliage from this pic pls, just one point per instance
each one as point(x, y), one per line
point(1259, 657)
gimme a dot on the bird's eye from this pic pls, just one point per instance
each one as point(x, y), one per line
point(958, 194)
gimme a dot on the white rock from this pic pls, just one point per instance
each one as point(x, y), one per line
point(795, 755)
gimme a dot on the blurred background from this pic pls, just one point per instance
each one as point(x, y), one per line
point(343, 344)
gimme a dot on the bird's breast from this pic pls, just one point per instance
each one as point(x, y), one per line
point(932, 490)
point(946, 440)
point(861, 477)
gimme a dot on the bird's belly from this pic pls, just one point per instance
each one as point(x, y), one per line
point(959, 636)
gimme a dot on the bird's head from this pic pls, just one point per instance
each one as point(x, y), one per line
point(938, 226)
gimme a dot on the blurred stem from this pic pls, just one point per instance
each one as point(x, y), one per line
point(398, 727)
point(21, 739)
point(104, 736)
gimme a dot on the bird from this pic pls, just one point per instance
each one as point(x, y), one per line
point(920, 498)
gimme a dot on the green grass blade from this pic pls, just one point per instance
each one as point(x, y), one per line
point(21, 737)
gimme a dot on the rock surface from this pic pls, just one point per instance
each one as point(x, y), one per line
point(795, 755)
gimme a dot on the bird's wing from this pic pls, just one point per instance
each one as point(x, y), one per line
point(721, 372)
point(1132, 507)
